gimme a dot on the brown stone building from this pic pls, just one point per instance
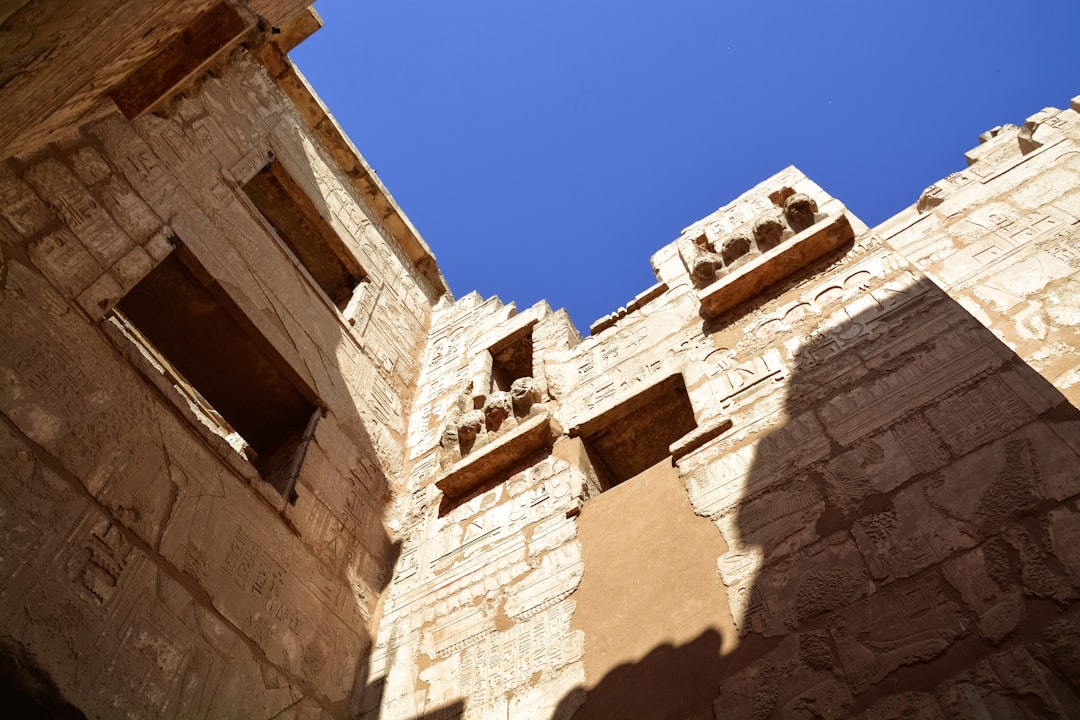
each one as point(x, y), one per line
point(255, 461)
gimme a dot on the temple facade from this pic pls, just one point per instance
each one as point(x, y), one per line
point(257, 461)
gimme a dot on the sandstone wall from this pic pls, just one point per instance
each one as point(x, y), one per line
point(816, 471)
point(147, 567)
point(872, 512)
point(477, 616)
point(1003, 238)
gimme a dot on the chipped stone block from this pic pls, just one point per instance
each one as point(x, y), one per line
point(161, 243)
point(132, 268)
point(487, 463)
point(699, 437)
point(65, 261)
point(98, 299)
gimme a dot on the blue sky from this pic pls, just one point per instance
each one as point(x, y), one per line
point(547, 149)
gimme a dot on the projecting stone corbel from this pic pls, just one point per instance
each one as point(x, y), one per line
point(698, 437)
point(773, 266)
point(513, 448)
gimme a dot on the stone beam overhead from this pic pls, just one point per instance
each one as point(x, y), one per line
point(59, 60)
point(191, 50)
point(55, 73)
point(297, 29)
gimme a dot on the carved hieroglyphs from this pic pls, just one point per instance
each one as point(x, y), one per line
point(817, 470)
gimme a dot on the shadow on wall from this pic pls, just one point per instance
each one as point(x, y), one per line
point(27, 691)
point(657, 686)
point(888, 535)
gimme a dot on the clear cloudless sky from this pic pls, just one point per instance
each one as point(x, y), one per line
point(546, 149)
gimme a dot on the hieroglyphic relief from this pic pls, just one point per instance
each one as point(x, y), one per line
point(51, 373)
point(71, 399)
point(440, 602)
point(543, 644)
point(897, 491)
point(128, 632)
point(1004, 247)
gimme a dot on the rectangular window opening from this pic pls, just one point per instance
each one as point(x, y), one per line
point(636, 435)
point(511, 359)
point(306, 232)
point(229, 375)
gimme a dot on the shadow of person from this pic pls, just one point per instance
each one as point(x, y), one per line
point(872, 497)
point(909, 441)
point(662, 684)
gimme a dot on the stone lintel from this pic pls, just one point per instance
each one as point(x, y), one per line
point(781, 262)
point(184, 56)
point(693, 440)
point(512, 332)
point(503, 453)
point(622, 405)
point(298, 29)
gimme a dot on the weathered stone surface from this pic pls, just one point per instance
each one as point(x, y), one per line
point(183, 562)
point(799, 211)
point(815, 471)
point(774, 266)
point(505, 452)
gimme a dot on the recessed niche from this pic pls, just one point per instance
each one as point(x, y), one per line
point(183, 322)
point(638, 433)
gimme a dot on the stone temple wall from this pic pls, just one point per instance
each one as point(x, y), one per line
point(794, 479)
point(256, 462)
point(148, 566)
point(1001, 238)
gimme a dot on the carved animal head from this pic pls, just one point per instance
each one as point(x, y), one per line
point(768, 231)
point(498, 407)
point(799, 211)
point(704, 268)
point(524, 392)
point(735, 248)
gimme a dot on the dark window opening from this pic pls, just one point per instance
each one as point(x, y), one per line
point(302, 227)
point(636, 434)
point(512, 358)
point(186, 325)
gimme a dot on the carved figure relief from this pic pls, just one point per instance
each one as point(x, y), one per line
point(707, 260)
point(498, 407)
point(468, 430)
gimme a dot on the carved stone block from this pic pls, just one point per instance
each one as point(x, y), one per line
point(775, 265)
point(508, 450)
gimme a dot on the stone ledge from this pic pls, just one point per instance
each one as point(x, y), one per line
point(793, 255)
point(503, 453)
point(692, 441)
point(640, 300)
point(298, 28)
